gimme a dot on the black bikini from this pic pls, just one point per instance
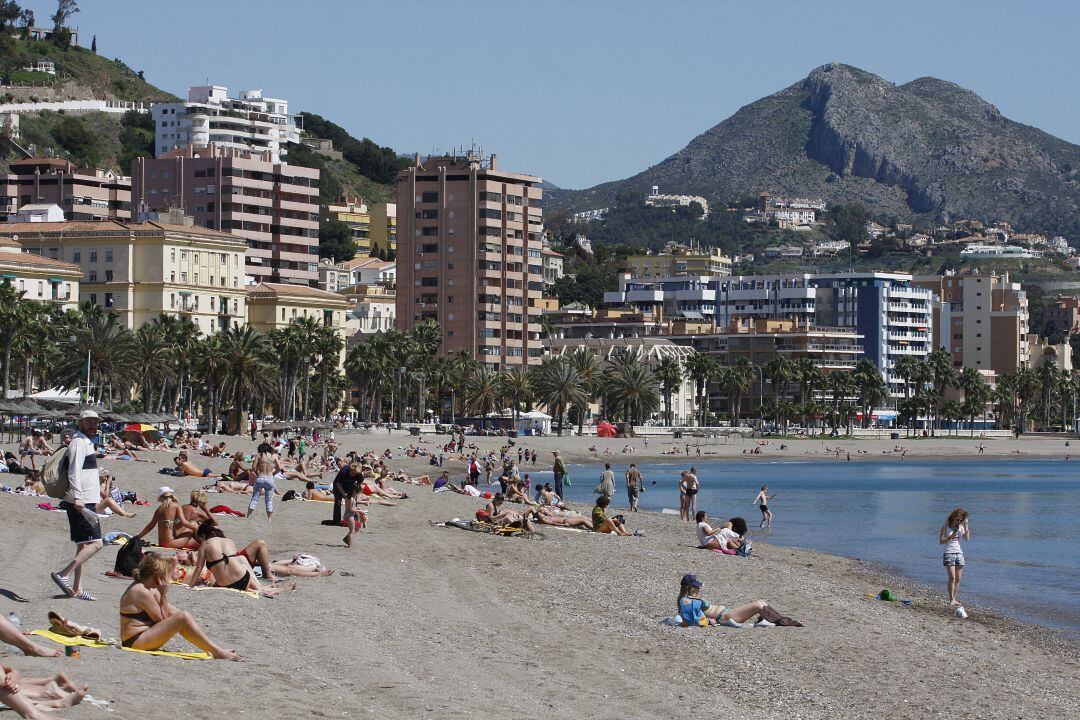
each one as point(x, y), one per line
point(241, 584)
point(140, 616)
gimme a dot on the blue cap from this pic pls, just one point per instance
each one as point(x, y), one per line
point(691, 580)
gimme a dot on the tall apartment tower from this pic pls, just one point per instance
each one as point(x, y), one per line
point(272, 205)
point(470, 257)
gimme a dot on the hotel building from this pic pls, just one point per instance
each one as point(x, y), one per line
point(470, 257)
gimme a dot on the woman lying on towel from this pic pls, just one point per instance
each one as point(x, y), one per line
point(300, 565)
point(563, 518)
point(148, 621)
point(232, 569)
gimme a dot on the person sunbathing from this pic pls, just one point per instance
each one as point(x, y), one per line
point(37, 697)
point(313, 493)
point(301, 565)
point(369, 486)
point(215, 451)
point(694, 611)
point(148, 620)
point(726, 537)
point(184, 467)
point(174, 530)
point(600, 521)
point(196, 511)
point(232, 569)
point(549, 498)
point(494, 513)
point(551, 516)
point(10, 635)
point(517, 493)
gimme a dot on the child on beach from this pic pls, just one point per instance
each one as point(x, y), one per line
point(955, 528)
point(694, 611)
point(762, 501)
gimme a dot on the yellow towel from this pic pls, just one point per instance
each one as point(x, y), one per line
point(65, 640)
point(249, 593)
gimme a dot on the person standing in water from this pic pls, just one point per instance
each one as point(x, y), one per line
point(762, 501)
point(634, 486)
point(955, 528)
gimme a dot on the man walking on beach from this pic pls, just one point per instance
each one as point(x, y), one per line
point(634, 485)
point(80, 502)
point(559, 470)
point(344, 486)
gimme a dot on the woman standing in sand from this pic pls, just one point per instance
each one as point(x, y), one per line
point(265, 466)
point(955, 528)
point(762, 501)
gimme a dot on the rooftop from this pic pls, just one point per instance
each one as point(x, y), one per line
point(284, 290)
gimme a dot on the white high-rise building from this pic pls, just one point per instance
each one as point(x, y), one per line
point(250, 122)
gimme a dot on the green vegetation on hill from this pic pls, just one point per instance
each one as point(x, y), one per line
point(101, 140)
point(76, 66)
point(339, 177)
point(381, 164)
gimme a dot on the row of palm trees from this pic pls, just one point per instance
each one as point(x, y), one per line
point(166, 365)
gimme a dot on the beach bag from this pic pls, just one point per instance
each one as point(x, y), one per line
point(54, 474)
point(128, 557)
point(599, 489)
point(566, 480)
point(745, 549)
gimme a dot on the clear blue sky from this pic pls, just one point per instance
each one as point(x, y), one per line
point(583, 91)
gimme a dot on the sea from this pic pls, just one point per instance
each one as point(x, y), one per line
point(1023, 558)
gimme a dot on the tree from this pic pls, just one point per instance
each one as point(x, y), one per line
point(870, 387)
point(942, 375)
point(517, 388)
point(150, 359)
point(482, 392)
point(328, 346)
point(64, 10)
point(245, 373)
point(701, 368)
point(93, 45)
point(847, 222)
point(26, 21)
point(977, 394)
point(211, 363)
point(106, 345)
point(336, 241)
point(559, 386)
point(778, 371)
point(10, 12)
point(670, 375)
point(737, 380)
point(587, 365)
point(12, 324)
point(841, 386)
point(1026, 387)
point(1048, 380)
point(635, 386)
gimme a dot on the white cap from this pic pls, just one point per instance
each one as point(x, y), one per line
point(87, 414)
point(165, 490)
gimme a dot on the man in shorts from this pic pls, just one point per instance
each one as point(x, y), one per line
point(81, 502)
point(634, 486)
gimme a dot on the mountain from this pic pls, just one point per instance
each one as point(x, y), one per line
point(928, 148)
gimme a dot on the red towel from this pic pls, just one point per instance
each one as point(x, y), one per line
point(46, 506)
point(226, 510)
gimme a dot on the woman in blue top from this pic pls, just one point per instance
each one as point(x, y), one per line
point(695, 611)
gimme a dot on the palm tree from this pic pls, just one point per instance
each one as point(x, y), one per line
point(943, 375)
point(327, 351)
point(737, 380)
point(870, 387)
point(701, 368)
point(810, 376)
point(12, 323)
point(587, 365)
point(1048, 379)
point(559, 386)
point(636, 388)
point(150, 360)
point(517, 388)
point(1004, 399)
point(1026, 386)
point(669, 373)
point(779, 371)
point(245, 372)
point(977, 394)
point(951, 411)
point(107, 345)
point(211, 361)
point(841, 386)
point(913, 371)
point(482, 392)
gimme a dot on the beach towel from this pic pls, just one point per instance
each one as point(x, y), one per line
point(48, 506)
point(84, 642)
point(225, 510)
point(249, 593)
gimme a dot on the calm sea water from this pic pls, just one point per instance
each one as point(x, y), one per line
point(1023, 558)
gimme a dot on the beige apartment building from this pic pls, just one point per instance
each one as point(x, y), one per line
point(353, 212)
point(82, 193)
point(274, 306)
point(39, 278)
point(981, 319)
point(383, 229)
point(1064, 314)
point(141, 270)
point(680, 261)
point(273, 206)
point(470, 257)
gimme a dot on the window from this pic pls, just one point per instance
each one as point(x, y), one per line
point(109, 300)
point(76, 256)
point(93, 256)
point(91, 276)
point(172, 301)
point(108, 275)
point(93, 298)
point(428, 197)
point(172, 276)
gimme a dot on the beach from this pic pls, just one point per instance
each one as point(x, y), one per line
point(427, 621)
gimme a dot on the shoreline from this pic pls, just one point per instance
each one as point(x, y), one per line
point(427, 621)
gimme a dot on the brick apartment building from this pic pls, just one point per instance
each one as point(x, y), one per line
point(470, 257)
point(272, 205)
point(82, 193)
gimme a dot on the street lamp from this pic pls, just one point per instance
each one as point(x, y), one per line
point(400, 409)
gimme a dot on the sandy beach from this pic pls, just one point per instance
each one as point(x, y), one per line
point(425, 621)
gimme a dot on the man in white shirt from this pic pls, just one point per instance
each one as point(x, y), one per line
point(80, 502)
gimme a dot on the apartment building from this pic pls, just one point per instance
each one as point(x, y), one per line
point(250, 123)
point(355, 214)
point(384, 229)
point(273, 206)
point(140, 270)
point(471, 257)
point(39, 278)
point(82, 193)
point(679, 260)
point(658, 199)
point(982, 320)
point(553, 266)
point(274, 306)
point(1064, 314)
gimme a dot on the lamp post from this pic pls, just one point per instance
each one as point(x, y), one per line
point(400, 408)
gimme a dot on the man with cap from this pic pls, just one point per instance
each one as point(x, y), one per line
point(80, 502)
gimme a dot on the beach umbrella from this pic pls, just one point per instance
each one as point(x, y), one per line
point(139, 427)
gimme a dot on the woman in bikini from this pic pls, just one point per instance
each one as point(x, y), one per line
point(231, 569)
point(196, 511)
point(148, 621)
point(174, 530)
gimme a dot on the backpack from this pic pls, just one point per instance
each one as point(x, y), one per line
point(54, 474)
point(129, 556)
point(745, 549)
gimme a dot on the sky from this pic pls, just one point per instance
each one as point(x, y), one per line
point(586, 91)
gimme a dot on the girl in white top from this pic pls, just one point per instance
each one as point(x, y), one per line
point(954, 529)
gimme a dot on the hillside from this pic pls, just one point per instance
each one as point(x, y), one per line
point(928, 149)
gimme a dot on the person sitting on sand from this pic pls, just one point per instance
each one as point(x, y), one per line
point(148, 620)
point(494, 513)
point(694, 611)
point(10, 635)
point(313, 493)
point(196, 511)
point(174, 530)
point(517, 493)
point(231, 569)
point(33, 446)
point(549, 498)
point(215, 451)
point(600, 521)
point(111, 498)
point(727, 537)
point(186, 468)
point(37, 697)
